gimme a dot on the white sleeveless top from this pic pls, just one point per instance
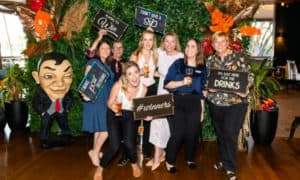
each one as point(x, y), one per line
point(126, 103)
point(150, 79)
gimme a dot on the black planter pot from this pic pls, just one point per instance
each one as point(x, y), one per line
point(2, 119)
point(17, 115)
point(263, 126)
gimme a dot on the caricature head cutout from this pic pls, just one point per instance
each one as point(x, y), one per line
point(54, 75)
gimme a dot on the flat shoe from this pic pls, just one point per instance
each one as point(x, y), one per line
point(192, 165)
point(218, 166)
point(149, 163)
point(231, 175)
point(170, 168)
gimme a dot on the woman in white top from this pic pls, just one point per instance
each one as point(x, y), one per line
point(168, 52)
point(124, 91)
point(146, 57)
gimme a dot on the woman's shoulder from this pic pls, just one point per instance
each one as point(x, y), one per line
point(178, 61)
point(93, 60)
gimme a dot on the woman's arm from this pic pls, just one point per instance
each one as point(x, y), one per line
point(101, 33)
point(202, 110)
point(133, 58)
point(87, 68)
point(176, 84)
point(111, 102)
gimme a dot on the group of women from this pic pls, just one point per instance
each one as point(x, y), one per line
point(184, 75)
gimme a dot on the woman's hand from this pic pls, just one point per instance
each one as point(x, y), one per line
point(243, 95)
point(187, 81)
point(212, 90)
point(85, 98)
point(101, 33)
point(202, 116)
point(148, 118)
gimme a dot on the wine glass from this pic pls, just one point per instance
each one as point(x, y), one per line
point(189, 73)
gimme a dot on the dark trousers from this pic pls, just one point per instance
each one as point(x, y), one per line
point(120, 129)
point(184, 127)
point(47, 121)
point(227, 121)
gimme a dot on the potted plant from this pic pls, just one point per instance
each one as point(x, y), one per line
point(12, 98)
point(264, 114)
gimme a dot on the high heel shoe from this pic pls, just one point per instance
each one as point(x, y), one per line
point(155, 166)
point(171, 169)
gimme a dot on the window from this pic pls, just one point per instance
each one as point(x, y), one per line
point(263, 45)
point(12, 40)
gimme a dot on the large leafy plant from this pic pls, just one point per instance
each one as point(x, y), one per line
point(264, 85)
point(12, 86)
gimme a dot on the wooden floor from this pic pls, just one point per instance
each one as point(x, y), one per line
point(21, 158)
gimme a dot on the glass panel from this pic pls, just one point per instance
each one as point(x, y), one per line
point(263, 45)
point(12, 40)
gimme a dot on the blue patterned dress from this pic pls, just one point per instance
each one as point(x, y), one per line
point(94, 113)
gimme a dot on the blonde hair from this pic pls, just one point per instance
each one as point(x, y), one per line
point(138, 51)
point(175, 36)
point(219, 34)
point(200, 59)
point(123, 79)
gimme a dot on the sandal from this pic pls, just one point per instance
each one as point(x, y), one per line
point(231, 175)
point(218, 166)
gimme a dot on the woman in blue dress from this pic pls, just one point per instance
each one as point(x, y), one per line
point(94, 113)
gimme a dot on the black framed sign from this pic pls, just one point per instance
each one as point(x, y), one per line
point(147, 18)
point(225, 80)
point(114, 27)
point(93, 82)
point(155, 106)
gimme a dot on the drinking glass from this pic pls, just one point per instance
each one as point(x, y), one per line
point(189, 73)
point(119, 107)
point(146, 70)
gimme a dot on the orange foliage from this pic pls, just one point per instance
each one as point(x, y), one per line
point(249, 31)
point(220, 21)
point(43, 25)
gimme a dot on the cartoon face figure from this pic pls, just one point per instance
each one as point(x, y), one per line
point(54, 77)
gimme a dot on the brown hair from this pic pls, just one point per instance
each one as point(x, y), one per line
point(200, 59)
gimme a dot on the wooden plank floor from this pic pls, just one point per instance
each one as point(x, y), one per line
point(21, 158)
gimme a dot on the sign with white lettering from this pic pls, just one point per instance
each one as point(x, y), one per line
point(148, 18)
point(232, 81)
point(93, 82)
point(155, 106)
point(115, 28)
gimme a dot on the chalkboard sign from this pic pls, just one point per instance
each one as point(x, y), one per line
point(115, 28)
point(93, 82)
point(155, 106)
point(232, 81)
point(148, 18)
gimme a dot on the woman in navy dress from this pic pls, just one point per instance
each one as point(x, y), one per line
point(94, 113)
point(186, 79)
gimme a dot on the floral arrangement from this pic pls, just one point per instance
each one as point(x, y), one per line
point(42, 20)
point(268, 104)
point(249, 31)
point(228, 16)
point(220, 21)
